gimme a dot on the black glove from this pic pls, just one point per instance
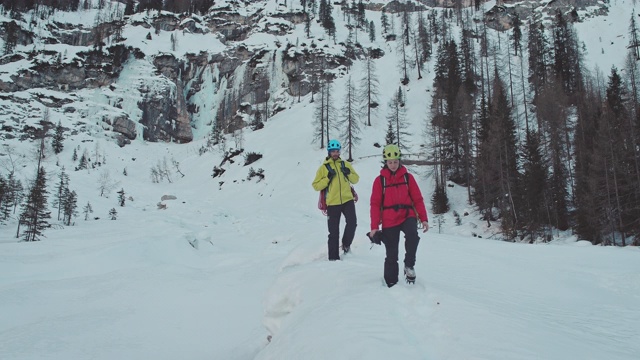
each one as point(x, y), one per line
point(330, 175)
point(377, 238)
point(346, 171)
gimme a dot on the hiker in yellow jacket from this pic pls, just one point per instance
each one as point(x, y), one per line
point(335, 176)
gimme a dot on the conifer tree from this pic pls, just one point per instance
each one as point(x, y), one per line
point(129, 8)
point(70, 206)
point(448, 74)
point(632, 73)
point(552, 104)
point(396, 117)
point(326, 17)
point(171, 6)
point(113, 214)
point(86, 210)
point(405, 22)
point(329, 110)
point(83, 163)
point(307, 24)
point(533, 186)
point(517, 34)
point(567, 58)
point(202, 6)
point(324, 115)
point(423, 39)
point(3, 197)
point(620, 161)
point(539, 56)
point(350, 122)
point(390, 137)
point(372, 31)
point(460, 164)
point(504, 123)
point(370, 88)
point(384, 21)
point(121, 197)
point(362, 16)
point(439, 199)
point(434, 27)
point(416, 56)
point(404, 59)
point(10, 196)
point(10, 37)
point(58, 139)
point(452, 111)
point(497, 160)
point(13, 196)
point(467, 64)
point(63, 186)
point(322, 10)
point(634, 43)
point(174, 42)
point(35, 212)
point(589, 224)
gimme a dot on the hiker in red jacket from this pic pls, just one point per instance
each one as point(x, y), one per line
point(397, 205)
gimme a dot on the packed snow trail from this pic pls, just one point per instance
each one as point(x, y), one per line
point(473, 299)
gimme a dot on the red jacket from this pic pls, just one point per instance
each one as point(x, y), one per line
point(407, 197)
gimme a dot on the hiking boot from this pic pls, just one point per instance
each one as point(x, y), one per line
point(409, 274)
point(346, 249)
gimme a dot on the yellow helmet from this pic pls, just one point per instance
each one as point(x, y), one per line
point(391, 152)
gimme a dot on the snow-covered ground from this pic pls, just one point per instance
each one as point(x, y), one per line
point(219, 273)
point(241, 273)
point(238, 270)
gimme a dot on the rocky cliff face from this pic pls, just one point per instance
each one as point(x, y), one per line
point(169, 106)
point(89, 69)
point(161, 96)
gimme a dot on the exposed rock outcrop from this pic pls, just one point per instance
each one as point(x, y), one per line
point(501, 16)
point(90, 69)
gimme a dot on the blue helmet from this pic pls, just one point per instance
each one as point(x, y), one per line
point(333, 145)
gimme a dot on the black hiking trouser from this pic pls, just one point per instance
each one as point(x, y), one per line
point(391, 241)
point(334, 212)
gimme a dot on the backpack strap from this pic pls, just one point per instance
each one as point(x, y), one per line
point(330, 170)
point(384, 186)
point(400, 206)
point(413, 206)
point(382, 182)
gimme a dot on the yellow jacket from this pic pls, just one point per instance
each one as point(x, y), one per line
point(339, 189)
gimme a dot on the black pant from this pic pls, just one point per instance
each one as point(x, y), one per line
point(391, 241)
point(333, 222)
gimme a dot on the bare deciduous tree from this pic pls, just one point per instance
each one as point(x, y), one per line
point(106, 184)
